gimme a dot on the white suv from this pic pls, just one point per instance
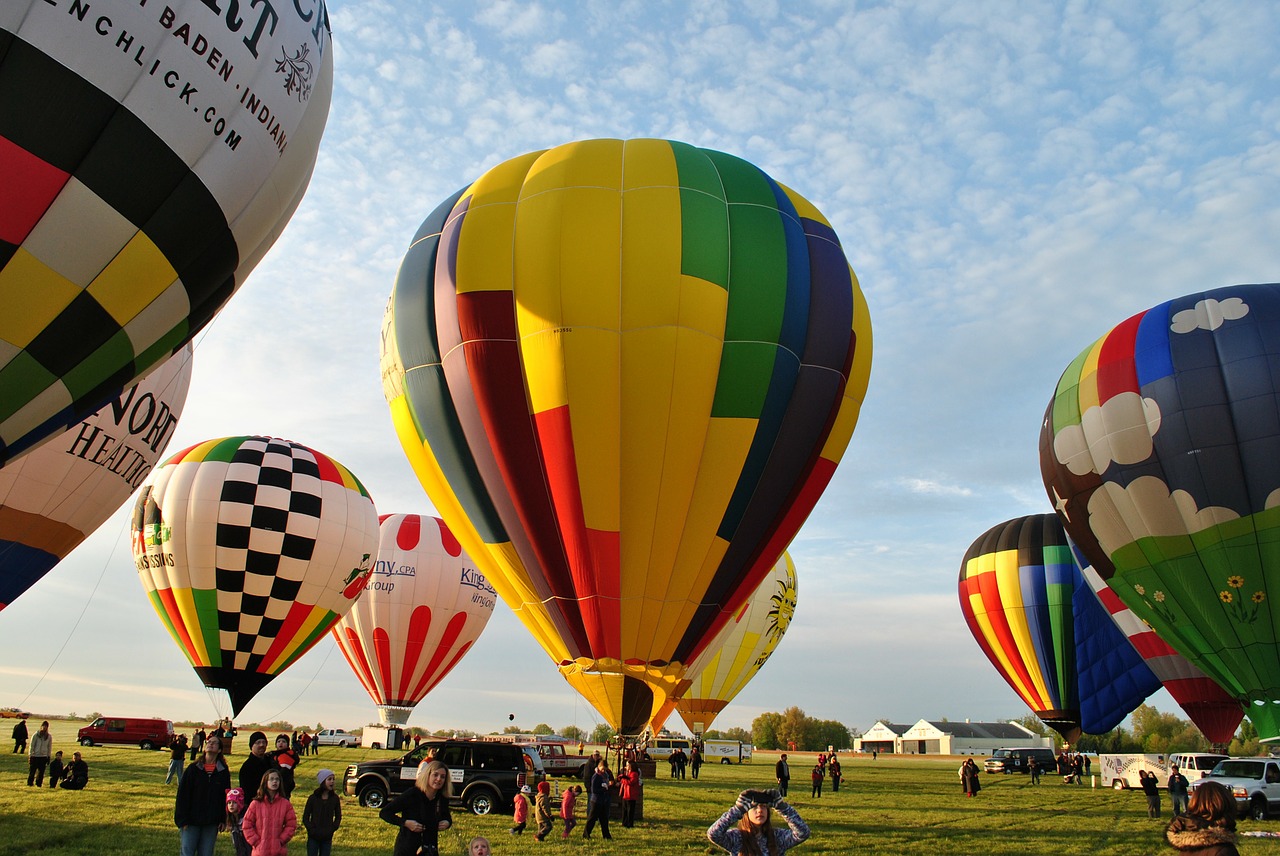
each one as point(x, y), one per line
point(1254, 782)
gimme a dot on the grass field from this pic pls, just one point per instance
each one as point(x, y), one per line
point(893, 805)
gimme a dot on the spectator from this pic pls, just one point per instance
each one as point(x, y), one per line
point(256, 765)
point(1151, 787)
point(568, 802)
point(287, 761)
point(629, 791)
point(20, 736)
point(270, 821)
point(38, 755)
point(601, 800)
point(817, 775)
point(322, 815)
point(200, 807)
point(177, 754)
point(520, 810)
point(542, 810)
point(56, 769)
point(77, 775)
point(782, 772)
point(1209, 826)
point(1178, 786)
point(747, 828)
point(421, 812)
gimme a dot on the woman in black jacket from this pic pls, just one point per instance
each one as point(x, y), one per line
point(422, 812)
point(200, 809)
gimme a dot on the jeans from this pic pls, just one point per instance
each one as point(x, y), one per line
point(35, 771)
point(175, 770)
point(199, 840)
point(317, 847)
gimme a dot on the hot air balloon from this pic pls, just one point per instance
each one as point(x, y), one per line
point(251, 549)
point(56, 496)
point(624, 371)
point(151, 155)
point(1161, 452)
point(1019, 589)
point(422, 610)
point(739, 650)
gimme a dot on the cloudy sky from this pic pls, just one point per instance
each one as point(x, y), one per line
point(1008, 181)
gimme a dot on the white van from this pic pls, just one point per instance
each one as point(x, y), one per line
point(661, 748)
point(1195, 765)
point(726, 751)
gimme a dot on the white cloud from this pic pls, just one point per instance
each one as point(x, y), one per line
point(929, 486)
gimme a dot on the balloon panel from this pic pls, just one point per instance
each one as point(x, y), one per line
point(740, 649)
point(250, 549)
point(151, 158)
point(56, 496)
point(632, 431)
point(422, 609)
point(1163, 440)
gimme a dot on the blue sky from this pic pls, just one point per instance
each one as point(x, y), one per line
point(1008, 181)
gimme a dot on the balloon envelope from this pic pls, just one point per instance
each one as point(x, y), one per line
point(56, 496)
point(1019, 588)
point(1161, 452)
point(740, 649)
point(151, 155)
point(250, 549)
point(422, 609)
point(624, 371)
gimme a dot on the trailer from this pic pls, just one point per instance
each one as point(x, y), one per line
point(727, 751)
point(384, 737)
point(1121, 771)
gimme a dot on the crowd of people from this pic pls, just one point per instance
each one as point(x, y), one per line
point(70, 775)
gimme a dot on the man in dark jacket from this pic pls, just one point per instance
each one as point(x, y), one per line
point(77, 775)
point(782, 772)
point(256, 765)
point(20, 736)
point(1178, 789)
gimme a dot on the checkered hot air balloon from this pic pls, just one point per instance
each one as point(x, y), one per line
point(422, 610)
point(150, 155)
point(251, 549)
point(624, 371)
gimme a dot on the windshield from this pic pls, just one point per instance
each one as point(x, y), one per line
point(1238, 770)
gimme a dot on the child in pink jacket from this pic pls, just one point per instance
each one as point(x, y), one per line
point(521, 814)
point(567, 802)
point(270, 821)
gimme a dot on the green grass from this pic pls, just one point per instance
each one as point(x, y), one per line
point(890, 806)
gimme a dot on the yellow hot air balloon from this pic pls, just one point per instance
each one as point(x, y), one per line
point(744, 645)
point(625, 371)
point(151, 154)
point(250, 549)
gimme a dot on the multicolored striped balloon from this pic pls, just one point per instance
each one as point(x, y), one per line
point(151, 154)
point(422, 609)
point(251, 549)
point(1161, 452)
point(624, 372)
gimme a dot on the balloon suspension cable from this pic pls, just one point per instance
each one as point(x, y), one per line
point(280, 712)
point(72, 632)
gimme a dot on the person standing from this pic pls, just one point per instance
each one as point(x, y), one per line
point(199, 810)
point(1151, 787)
point(1178, 786)
point(421, 812)
point(20, 736)
point(177, 754)
point(322, 815)
point(1033, 767)
point(782, 772)
point(270, 821)
point(835, 772)
point(568, 802)
point(969, 778)
point(747, 828)
point(629, 792)
point(197, 743)
point(520, 810)
point(601, 801)
point(588, 773)
point(695, 761)
point(542, 810)
point(256, 765)
point(816, 775)
point(1209, 825)
point(38, 755)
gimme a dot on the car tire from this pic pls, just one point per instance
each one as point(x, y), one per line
point(725, 761)
point(86, 741)
point(1118, 785)
point(482, 801)
point(373, 796)
point(376, 746)
point(343, 744)
point(1258, 808)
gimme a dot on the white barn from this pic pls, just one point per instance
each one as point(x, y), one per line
point(947, 738)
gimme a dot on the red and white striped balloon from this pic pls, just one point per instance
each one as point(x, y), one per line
point(422, 610)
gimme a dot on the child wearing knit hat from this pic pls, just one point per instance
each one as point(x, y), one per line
point(322, 814)
point(235, 821)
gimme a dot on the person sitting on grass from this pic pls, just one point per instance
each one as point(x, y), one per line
point(77, 775)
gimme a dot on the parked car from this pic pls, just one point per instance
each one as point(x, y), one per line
point(128, 730)
point(336, 737)
point(662, 747)
point(486, 775)
point(1254, 782)
point(1014, 760)
point(1196, 765)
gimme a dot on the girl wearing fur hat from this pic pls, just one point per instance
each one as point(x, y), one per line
point(1209, 826)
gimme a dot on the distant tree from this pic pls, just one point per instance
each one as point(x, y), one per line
point(1032, 723)
point(831, 733)
point(542, 729)
point(740, 734)
point(1161, 733)
point(573, 732)
point(513, 729)
point(796, 728)
point(1117, 741)
point(1245, 743)
point(602, 733)
point(764, 730)
point(713, 734)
